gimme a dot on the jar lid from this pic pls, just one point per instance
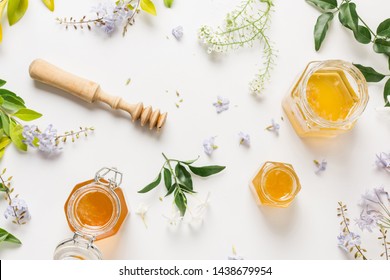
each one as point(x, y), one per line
point(77, 248)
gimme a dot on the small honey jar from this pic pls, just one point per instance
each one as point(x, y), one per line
point(327, 99)
point(275, 184)
point(95, 209)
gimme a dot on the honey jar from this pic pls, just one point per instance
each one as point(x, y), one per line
point(275, 184)
point(95, 209)
point(327, 99)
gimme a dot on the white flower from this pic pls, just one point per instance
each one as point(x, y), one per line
point(245, 139)
point(177, 32)
point(200, 210)
point(18, 209)
point(175, 218)
point(222, 104)
point(141, 211)
point(209, 145)
point(274, 127)
point(383, 161)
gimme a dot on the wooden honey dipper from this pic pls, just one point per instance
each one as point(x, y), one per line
point(89, 91)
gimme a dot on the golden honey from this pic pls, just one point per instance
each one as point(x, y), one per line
point(327, 99)
point(275, 184)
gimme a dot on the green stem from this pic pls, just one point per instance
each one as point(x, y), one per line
point(168, 162)
point(382, 230)
point(365, 24)
point(9, 199)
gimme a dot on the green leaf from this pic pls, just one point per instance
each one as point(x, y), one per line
point(167, 178)
point(363, 35)
point(324, 4)
point(4, 142)
point(370, 74)
point(188, 162)
point(5, 236)
point(2, 82)
point(184, 176)
point(17, 137)
point(2, 6)
point(386, 93)
point(384, 28)
point(171, 189)
point(27, 114)
point(16, 10)
point(5, 122)
point(49, 4)
point(382, 46)
point(186, 189)
point(148, 6)
point(152, 185)
point(321, 28)
point(1, 33)
point(181, 202)
point(348, 16)
point(206, 171)
point(11, 101)
point(168, 3)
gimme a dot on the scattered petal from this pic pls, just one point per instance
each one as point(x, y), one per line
point(321, 166)
point(245, 139)
point(209, 145)
point(222, 104)
point(177, 32)
point(235, 257)
point(383, 161)
point(274, 127)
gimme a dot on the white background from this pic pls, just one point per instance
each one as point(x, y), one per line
point(306, 230)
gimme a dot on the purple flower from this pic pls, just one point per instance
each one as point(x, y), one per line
point(18, 210)
point(44, 141)
point(245, 139)
point(209, 145)
point(222, 104)
point(177, 32)
point(274, 127)
point(346, 241)
point(383, 161)
point(321, 166)
point(368, 219)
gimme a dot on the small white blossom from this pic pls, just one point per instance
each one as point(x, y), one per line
point(321, 166)
point(174, 219)
point(200, 210)
point(383, 161)
point(274, 127)
point(141, 211)
point(222, 104)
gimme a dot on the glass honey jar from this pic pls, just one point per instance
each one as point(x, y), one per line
point(95, 209)
point(275, 184)
point(327, 99)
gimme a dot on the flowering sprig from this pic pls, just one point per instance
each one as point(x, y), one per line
point(16, 10)
point(242, 28)
point(178, 181)
point(108, 16)
point(385, 243)
point(17, 208)
point(348, 240)
point(48, 141)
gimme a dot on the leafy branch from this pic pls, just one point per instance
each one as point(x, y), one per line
point(178, 180)
point(385, 243)
point(350, 19)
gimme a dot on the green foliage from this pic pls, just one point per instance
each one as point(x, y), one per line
point(148, 6)
point(349, 18)
point(168, 3)
point(5, 236)
point(49, 4)
point(13, 107)
point(179, 180)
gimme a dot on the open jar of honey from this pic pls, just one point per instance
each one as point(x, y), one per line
point(275, 184)
point(95, 209)
point(327, 99)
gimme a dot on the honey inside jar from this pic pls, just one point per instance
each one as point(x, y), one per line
point(95, 209)
point(275, 184)
point(330, 95)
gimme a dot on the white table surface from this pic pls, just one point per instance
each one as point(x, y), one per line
point(306, 230)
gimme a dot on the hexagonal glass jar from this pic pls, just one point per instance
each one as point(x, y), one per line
point(95, 209)
point(275, 184)
point(327, 99)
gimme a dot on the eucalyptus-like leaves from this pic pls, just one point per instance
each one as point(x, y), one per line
point(349, 18)
point(178, 180)
point(5, 236)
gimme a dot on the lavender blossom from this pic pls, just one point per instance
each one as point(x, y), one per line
point(18, 210)
point(245, 138)
point(177, 32)
point(222, 104)
point(274, 127)
point(383, 161)
point(346, 241)
point(44, 141)
point(368, 219)
point(321, 166)
point(209, 146)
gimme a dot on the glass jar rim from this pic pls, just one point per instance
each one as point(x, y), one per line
point(287, 168)
point(351, 70)
point(93, 230)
